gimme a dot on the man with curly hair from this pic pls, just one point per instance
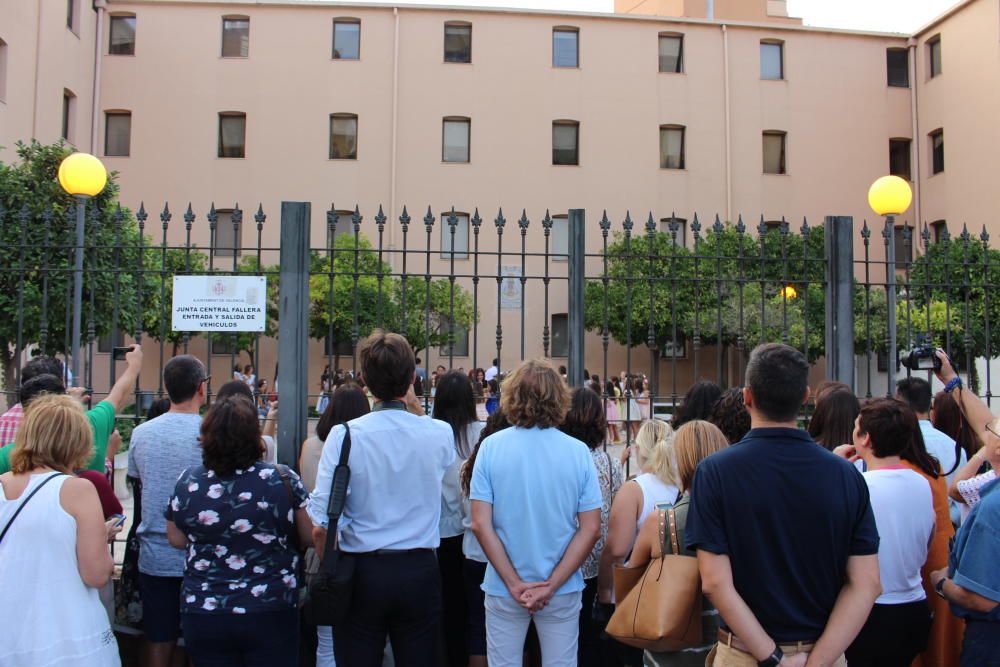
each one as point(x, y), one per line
point(536, 510)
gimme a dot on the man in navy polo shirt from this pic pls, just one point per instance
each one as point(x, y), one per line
point(784, 530)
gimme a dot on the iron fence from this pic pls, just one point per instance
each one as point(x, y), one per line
point(671, 298)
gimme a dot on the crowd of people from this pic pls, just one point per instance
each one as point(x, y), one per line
point(492, 534)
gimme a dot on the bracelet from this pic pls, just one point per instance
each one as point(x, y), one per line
point(952, 383)
point(939, 587)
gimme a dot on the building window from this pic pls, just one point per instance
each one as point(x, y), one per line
point(559, 239)
point(938, 230)
point(343, 136)
point(673, 348)
point(934, 55)
point(565, 142)
point(455, 134)
point(560, 335)
point(681, 240)
point(460, 348)
point(72, 15)
point(110, 340)
point(68, 115)
point(224, 345)
point(122, 36)
point(565, 47)
point(337, 348)
point(671, 53)
point(937, 151)
point(117, 133)
point(897, 64)
point(461, 238)
point(228, 239)
point(232, 134)
point(902, 247)
point(346, 39)
point(899, 158)
point(671, 147)
point(774, 152)
point(772, 57)
point(3, 71)
point(235, 37)
point(344, 226)
point(457, 42)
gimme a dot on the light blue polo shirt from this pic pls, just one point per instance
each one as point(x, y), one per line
point(976, 554)
point(537, 480)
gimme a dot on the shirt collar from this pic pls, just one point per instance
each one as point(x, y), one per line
point(780, 433)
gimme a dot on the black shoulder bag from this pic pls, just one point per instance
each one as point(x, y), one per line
point(330, 590)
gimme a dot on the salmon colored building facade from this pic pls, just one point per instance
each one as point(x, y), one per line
point(665, 107)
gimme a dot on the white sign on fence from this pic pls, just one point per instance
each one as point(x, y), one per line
point(220, 303)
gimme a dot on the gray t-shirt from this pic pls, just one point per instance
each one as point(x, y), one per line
point(160, 450)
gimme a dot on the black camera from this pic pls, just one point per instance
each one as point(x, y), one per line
point(922, 357)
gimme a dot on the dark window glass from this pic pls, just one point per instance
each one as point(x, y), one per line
point(122, 36)
point(897, 68)
point(774, 153)
point(565, 47)
point(899, 158)
point(228, 237)
point(117, 133)
point(457, 43)
point(235, 38)
point(455, 140)
point(903, 248)
point(232, 135)
point(771, 61)
point(560, 335)
point(934, 52)
point(67, 114)
point(671, 147)
point(672, 53)
point(937, 151)
point(565, 142)
point(346, 39)
point(343, 136)
point(938, 229)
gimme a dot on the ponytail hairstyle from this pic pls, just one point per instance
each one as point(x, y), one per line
point(656, 451)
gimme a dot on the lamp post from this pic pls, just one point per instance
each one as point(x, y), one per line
point(890, 196)
point(83, 176)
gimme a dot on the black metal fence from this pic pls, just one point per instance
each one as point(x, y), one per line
point(674, 299)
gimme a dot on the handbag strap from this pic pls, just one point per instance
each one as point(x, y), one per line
point(25, 502)
point(667, 521)
point(338, 497)
point(283, 474)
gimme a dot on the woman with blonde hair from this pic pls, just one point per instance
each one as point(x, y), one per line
point(53, 536)
point(656, 484)
point(693, 442)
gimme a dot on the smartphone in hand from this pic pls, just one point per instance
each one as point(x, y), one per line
point(119, 519)
point(118, 353)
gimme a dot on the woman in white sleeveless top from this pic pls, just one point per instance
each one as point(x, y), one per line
point(54, 554)
point(656, 484)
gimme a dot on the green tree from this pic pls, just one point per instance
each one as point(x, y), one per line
point(36, 252)
point(358, 282)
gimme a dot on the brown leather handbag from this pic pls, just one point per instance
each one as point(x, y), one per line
point(659, 604)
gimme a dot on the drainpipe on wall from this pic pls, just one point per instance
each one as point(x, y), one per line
point(729, 166)
point(100, 6)
point(917, 140)
point(38, 55)
point(395, 110)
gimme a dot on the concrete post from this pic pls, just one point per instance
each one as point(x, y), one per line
point(840, 299)
point(293, 331)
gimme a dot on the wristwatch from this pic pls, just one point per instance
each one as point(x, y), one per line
point(772, 660)
point(939, 587)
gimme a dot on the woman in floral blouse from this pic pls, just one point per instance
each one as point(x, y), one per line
point(242, 523)
point(586, 422)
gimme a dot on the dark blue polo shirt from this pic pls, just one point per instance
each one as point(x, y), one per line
point(788, 514)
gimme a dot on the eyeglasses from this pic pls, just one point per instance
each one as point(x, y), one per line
point(205, 379)
point(994, 427)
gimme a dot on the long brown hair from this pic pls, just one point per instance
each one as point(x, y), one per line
point(534, 394)
point(495, 423)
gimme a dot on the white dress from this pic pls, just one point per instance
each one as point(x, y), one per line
point(59, 620)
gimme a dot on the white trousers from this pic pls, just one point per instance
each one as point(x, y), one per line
point(324, 647)
point(507, 624)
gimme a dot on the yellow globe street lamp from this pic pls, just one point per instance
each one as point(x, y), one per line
point(890, 196)
point(83, 176)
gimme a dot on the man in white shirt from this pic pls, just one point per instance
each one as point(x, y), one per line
point(493, 370)
point(391, 515)
point(916, 392)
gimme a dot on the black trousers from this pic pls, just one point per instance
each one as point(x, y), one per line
point(455, 616)
point(892, 636)
point(395, 595)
